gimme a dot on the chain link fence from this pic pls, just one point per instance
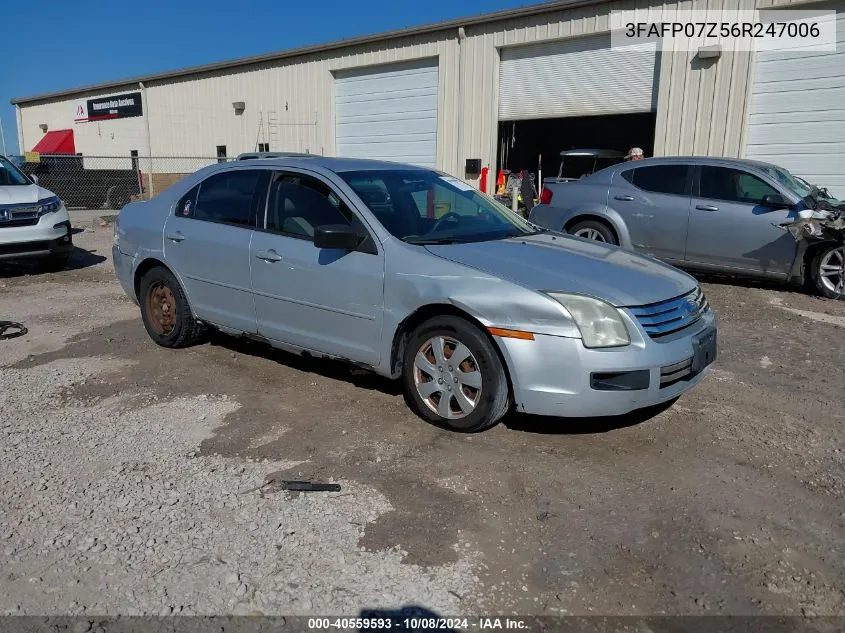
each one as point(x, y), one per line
point(108, 182)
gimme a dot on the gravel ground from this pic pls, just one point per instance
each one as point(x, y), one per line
point(131, 477)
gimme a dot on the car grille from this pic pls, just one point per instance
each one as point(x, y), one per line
point(670, 374)
point(661, 319)
point(18, 216)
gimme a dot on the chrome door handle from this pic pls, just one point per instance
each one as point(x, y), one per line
point(625, 198)
point(175, 237)
point(269, 256)
point(706, 207)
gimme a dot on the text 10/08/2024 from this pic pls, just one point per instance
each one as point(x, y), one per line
point(418, 623)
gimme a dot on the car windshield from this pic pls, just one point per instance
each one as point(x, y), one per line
point(796, 186)
point(425, 207)
point(11, 175)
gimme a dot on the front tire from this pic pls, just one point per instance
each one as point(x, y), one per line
point(593, 230)
point(453, 376)
point(167, 316)
point(827, 271)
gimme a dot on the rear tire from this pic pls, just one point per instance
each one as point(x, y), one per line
point(827, 271)
point(167, 316)
point(593, 230)
point(469, 395)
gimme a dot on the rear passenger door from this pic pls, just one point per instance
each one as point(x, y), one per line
point(730, 228)
point(206, 242)
point(654, 202)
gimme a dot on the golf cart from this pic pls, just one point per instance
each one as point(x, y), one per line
point(584, 162)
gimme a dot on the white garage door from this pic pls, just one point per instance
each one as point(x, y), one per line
point(576, 77)
point(389, 113)
point(797, 113)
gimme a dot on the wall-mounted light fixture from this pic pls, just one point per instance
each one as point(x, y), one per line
point(710, 52)
point(239, 107)
point(43, 127)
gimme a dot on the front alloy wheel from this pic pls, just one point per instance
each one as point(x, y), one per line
point(828, 272)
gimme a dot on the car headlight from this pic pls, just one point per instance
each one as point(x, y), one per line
point(600, 323)
point(49, 205)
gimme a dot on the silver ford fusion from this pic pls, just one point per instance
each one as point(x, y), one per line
point(416, 276)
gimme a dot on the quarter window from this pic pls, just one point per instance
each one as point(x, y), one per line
point(229, 197)
point(671, 179)
point(187, 203)
point(733, 185)
point(298, 204)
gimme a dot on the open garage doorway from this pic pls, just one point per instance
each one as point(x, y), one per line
point(521, 143)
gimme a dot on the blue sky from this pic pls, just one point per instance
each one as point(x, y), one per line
point(55, 44)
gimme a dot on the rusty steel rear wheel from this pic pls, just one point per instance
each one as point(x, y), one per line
point(168, 318)
point(161, 306)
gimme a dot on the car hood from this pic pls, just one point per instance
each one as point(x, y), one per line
point(561, 263)
point(23, 194)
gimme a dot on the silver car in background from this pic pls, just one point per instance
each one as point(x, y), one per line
point(708, 214)
point(414, 275)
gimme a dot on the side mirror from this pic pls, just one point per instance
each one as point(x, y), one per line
point(341, 236)
point(775, 201)
point(34, 179)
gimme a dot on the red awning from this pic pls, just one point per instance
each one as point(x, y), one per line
point(56, 142)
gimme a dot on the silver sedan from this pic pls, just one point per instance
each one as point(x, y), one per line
point(416, 276)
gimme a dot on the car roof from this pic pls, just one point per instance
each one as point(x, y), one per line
point(257, 155)
point(701, 160)
point(331, 163)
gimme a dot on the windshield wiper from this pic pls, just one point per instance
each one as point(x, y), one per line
point(422, 241)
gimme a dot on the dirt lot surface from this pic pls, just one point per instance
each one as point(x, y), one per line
point(135, 479)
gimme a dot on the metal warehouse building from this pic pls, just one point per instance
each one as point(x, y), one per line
point(498, 89)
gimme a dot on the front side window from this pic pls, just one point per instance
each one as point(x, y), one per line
point(230, 197)
point(422, 207)
point(669, 179)
point(298, 204)
point(733, 185)
point(798, 187)
point(11, 175)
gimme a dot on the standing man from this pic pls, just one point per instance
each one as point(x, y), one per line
point(528, 191)
point(635, 153)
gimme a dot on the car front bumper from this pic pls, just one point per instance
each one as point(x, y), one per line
point(51, 236)
point(554, 375)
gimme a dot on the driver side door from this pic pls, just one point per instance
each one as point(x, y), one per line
point(323, 300)
point(730, 228)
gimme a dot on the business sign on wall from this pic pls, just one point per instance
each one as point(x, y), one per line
point(103, 108)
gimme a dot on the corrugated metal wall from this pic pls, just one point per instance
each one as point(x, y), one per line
point(294, 101)
point(700, 105)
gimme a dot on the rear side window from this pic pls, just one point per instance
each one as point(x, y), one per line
point(671, 179)
point(231, 197)
point(186, 204)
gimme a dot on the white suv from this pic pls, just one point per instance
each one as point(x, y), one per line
point(33, 221)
